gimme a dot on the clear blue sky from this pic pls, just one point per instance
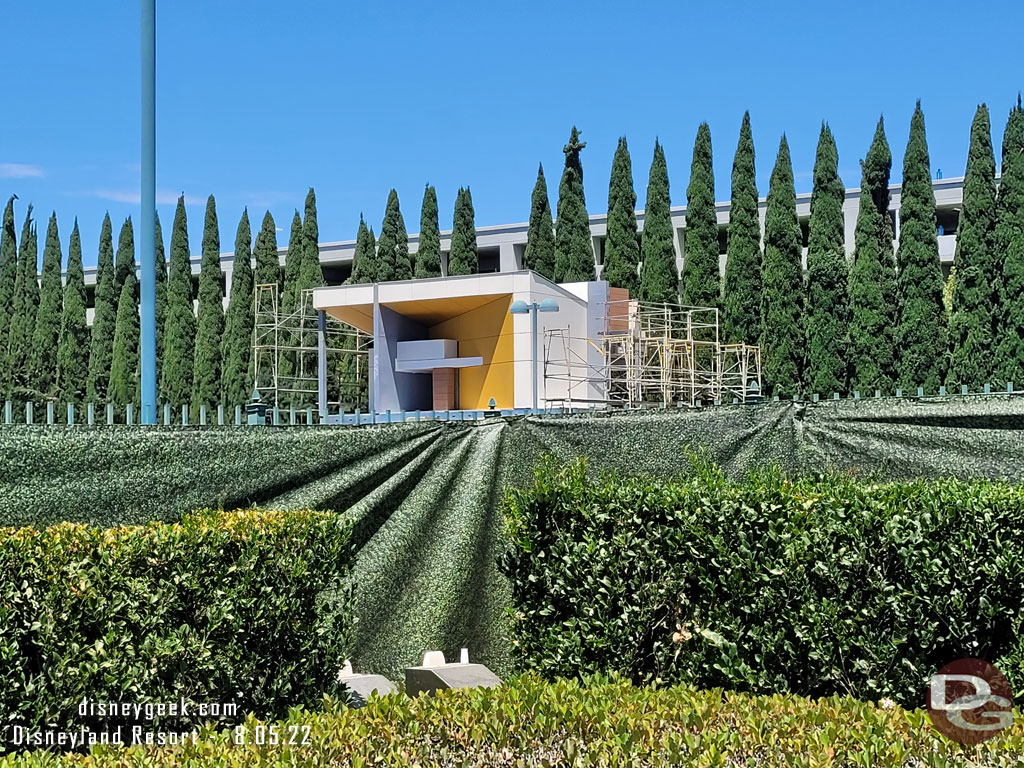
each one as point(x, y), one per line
point(259, 100)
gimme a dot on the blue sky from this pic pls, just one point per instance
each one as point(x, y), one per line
point(259, 100)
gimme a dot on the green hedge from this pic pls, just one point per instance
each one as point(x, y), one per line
point(246, 608)
point(606, 722)
point(815, 586)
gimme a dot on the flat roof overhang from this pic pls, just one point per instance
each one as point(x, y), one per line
point(428, 302)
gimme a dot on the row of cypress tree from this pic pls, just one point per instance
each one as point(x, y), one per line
point(873, 321)
point(204, 353)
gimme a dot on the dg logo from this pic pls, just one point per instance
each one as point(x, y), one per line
point(970, 701)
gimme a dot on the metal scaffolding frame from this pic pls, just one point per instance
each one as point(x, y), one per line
point(286, 349)
point(651, 353)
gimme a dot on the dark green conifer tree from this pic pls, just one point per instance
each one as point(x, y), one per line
point(124, 261)
point(104, 319)
point(8, 280)
point(872, 362)
point(782, 298)
point(701, 286)
point(268, 264)
point(160, 259)
point(574, 251)
point(364, 260)
point(24, 309)
point(206, 388)
point(43, 357)
point(237, 346)
point(828, 276)
point(393, 243)
point(1009, 362)
point(972, 351)
point(124, 360)
point(741, 299)
point(920, 331)
point(462, 259)
point(180, 324)
point(659, 278)
point(73, 347)
point(621, 244)
point(428, 252)
point(293, 265)
point(311, 274)
point(540, 236)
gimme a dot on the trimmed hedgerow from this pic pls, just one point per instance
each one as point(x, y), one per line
point(816, 586)
point(132, 475)
point(604, 722)
point(248, 608)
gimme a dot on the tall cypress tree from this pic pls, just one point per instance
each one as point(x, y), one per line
point(311, 274)
point(428, 253)
point(8, 280)
point(872, 362)
point(124, 361)
point(782, 298)
point(180, 323)
point(364, 260)
point(393, 243)
point(1009, 363)
point(268, 264)
point(621, 244)
point(920, 331)
point(540, 236)
point(741, 296)
point(574, 251)
point(206, 388)
point(293, 265)
point(972, 352)
point(659, 279)
point(24, 308)
point(124, 262)
point(43, 359)
point(701, 286)
point(236, 348)
point(104, 318)
point(462, 259)
point(828, 301)
point(160, 268)
point(73, 347)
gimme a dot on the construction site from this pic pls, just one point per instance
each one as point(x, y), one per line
point(628, 354)
point(653, 354)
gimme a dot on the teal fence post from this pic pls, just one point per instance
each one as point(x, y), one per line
point(184, 415)
point(202, 415)
point(220, 414)
point(309, 416)
point(71, 414)
point(277, 416)
point(49, 413)
point(28, 412)
point(110, 413)
point(291, 416)
point(128, 414)
point(167, 414)
point(8, 413)
point(238, 415)
point(90, 414)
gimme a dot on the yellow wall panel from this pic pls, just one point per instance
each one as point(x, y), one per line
point(485, 332)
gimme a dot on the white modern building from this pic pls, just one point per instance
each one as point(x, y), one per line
point(501, 247)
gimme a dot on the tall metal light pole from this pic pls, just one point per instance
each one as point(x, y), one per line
point(522, 308)
point(147, 236)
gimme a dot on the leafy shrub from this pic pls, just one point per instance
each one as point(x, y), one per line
point(815, 586)
point(245, 608)
point(606, 722)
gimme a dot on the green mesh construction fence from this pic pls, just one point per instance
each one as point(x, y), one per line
point(426, 498)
